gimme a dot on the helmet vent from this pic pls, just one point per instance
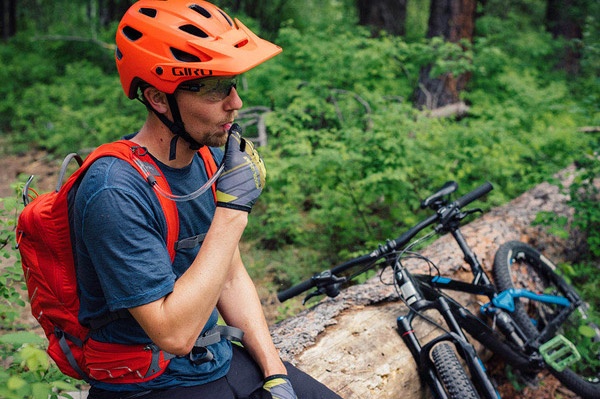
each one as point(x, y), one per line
point(131, 34)
point(149, 12)
point(184, 56)
point(201, 10)
point(226, 17)
point(242, 43)
point(193, 30)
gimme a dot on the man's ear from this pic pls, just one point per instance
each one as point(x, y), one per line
point(156, 99)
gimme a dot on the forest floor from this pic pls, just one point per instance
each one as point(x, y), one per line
point(15, 168)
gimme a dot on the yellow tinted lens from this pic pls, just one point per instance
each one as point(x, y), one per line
point(213, 89)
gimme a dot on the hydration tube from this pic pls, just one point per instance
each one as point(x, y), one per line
point(177, 198)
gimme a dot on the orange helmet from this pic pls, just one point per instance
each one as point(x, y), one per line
point(166, 42)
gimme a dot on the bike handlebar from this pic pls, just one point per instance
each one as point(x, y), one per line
point(295, 290)
point(389, 246)
point(473, 195)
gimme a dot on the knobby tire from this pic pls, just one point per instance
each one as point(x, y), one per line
point(518, 265)
point(452, 374)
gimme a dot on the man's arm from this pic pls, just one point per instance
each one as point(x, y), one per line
point(240, 307)
point(174, 322)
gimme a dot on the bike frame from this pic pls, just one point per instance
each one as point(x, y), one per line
point(424, 292)
point(421, 293)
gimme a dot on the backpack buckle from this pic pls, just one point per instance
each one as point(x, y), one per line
point(200, 355)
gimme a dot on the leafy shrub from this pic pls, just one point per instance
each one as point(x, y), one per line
point(349, 159)
point(340, 188)
point(29, 372)
point(585, 198)
point(81, 109)
point(11, 276)
point(24, 63)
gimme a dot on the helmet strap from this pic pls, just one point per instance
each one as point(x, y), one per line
point(175, 126)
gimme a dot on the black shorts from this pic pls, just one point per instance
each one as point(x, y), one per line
point(244, 381)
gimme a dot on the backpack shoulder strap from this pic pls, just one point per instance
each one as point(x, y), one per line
point(209, 165)
point(131, 152)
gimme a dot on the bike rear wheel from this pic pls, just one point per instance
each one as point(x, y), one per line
point(518, 265)
point(452, 374)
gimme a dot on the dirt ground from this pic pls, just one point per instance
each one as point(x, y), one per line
point(15, 168)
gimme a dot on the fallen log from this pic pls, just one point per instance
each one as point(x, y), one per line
point(350, 342)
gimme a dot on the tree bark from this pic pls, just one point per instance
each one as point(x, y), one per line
point(454, 20)
point(111, 10)
point(8, 18)
point(386, 15)
point(564, 18)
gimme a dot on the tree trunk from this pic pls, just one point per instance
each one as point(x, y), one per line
point(386, 15)
point(453, 20)
point(268, 13)
point(111, 10)
point(564, 18)
point(8, 18)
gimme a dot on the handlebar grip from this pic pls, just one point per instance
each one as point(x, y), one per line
point(295, 290)
point(473, 195)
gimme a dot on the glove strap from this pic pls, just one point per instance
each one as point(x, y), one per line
point(274, 377)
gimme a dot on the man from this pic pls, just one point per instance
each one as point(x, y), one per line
point(180, 59)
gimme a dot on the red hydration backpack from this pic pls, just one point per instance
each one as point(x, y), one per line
point(44, 241)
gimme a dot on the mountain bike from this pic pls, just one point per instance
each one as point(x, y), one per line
point(529, 307)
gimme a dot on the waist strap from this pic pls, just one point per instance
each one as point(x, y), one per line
point(219, 332)
point(200, 353)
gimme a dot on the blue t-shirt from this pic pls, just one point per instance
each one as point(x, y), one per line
point(122, 260)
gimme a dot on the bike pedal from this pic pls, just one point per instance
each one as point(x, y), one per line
point(559, 353)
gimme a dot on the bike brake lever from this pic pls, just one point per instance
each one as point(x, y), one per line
point(327, 283)
point(463, 214)
point(311, 295)
point(451, 218)
point(331, 291)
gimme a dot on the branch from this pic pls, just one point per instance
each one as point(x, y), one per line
point(589, 129)
point(457, 109)
point(255, 116)
point(360, 100)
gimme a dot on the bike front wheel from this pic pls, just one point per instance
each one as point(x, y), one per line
point(452, 374)
point(518, 265)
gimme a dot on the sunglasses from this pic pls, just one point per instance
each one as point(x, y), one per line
point(213, 89)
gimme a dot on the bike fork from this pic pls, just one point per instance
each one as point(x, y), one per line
point(457, 337)
point(427, 374)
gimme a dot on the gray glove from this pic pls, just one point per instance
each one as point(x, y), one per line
point(243, 178)
point(280, 387)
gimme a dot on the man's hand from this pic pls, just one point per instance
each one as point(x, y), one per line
point(280, 387)
point(243, 178)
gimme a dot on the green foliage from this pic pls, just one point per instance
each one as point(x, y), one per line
point(349, 159)
point(585, 277)
point(11, 276)
point(584, 193)
point(23, 64)
point(29, 373)
point(78, 110)
point(556, 225)
point(585, 198)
